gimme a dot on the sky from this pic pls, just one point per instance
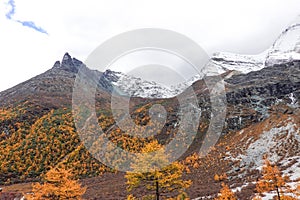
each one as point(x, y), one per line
point(36, 33)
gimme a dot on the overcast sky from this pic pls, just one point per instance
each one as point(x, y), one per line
point(36, 33)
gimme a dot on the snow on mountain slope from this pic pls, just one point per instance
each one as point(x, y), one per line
point(219, 63)
point(289, 40)
point(277, 138)
point(136, 87)
point(241, 63)
point(292, 170)
point(273, 142)
point(286, 47)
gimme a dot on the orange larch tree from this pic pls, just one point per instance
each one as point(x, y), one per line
point(59, 184)
point(226, 193)
point(272, 180)
point(153, 173)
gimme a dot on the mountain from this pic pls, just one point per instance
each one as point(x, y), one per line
point(240, 154)
point(241, 63)
point(136, 87)
point(286, 48)
point(37, 129)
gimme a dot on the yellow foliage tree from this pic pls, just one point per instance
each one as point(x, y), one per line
point(288, 198)
point(272, 180)
point(217, 177)
point(298, 189)
point(59, 184)
point(221, 177)
point(182, 196)
point(149, 173)
point(226, 193)
point(131, 197)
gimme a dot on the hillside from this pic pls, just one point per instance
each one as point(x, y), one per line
point(38, 131)
point(260, 105)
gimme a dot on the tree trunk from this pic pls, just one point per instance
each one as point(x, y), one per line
point(278, 194)
point(157, 190)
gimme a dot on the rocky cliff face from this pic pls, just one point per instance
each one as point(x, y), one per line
point(260, 90)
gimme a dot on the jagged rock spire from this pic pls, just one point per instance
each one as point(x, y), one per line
point(67, 59)
point(68, 64)
point(56, 64)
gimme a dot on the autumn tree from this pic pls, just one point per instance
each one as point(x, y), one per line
point(226, 193)
point(153, 172)
point(272, 180)
point(59, 184)
point(297, 192)
point(182, 196)
point(221, 177)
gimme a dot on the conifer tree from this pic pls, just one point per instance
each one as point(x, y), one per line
point(147, 172)
point(59, 184)
point(226, 193)
point(297, 192)
point(272, 180)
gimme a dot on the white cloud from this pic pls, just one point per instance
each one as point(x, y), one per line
point(10, 12)
point(80, 26)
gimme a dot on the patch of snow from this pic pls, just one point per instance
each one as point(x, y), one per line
point(230, 157)
point(136, 87)
point(238, 189)
point(287, 46)
point(294, 102)
point(241, 63)
point(292, 171)
point(293, 99)
point(268, 196)
point(268, 144)
point(203, 197)
point(288, 40)
point(272, 194)
point(279, 57)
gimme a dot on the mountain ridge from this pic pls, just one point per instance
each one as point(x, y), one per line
point(37, 129)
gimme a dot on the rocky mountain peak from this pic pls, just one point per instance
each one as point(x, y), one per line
point(112, 76)
point(67, 57)
point(68, 64)
point(56, 64)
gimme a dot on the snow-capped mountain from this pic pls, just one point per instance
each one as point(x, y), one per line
point(286, 47)
point(242, 63)
point(136, 87)
point(219, 63)
point(262, 118)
